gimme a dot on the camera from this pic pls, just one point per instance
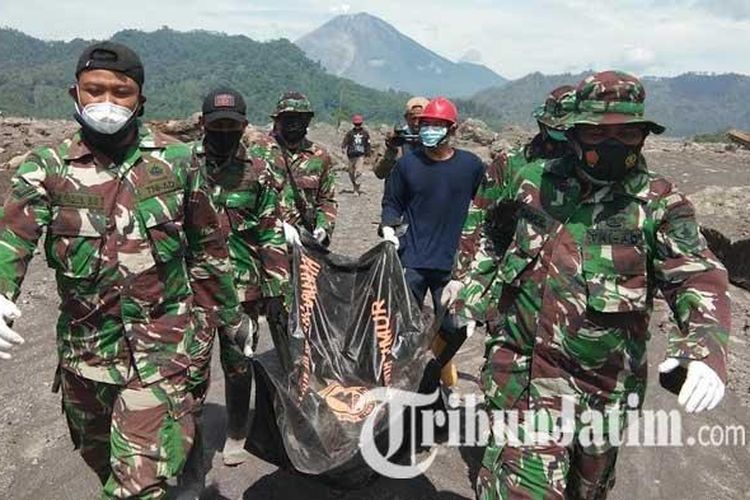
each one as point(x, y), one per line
point(403, 135)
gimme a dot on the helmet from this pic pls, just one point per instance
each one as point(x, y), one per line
point(415, 102)
point(293, 102)
point(610, 98)
point(440, 108)
point(358, 120)
point(558, 104)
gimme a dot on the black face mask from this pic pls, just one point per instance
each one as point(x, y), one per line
point(294, 128)
point(221, 145)
point(110, 144)
point(609, 161)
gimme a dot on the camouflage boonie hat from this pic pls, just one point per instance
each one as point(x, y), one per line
point(293, 102)
point(556, 107)
point(610, 98)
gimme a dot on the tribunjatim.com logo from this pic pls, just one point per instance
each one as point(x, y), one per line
point(468, 423)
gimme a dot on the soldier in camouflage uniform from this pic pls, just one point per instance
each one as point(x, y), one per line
point(303, 175)
point(244, 192)
point(136, 246)
point(582, 246)
point(549, 143)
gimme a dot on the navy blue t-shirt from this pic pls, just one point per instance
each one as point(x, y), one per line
point(433, 199)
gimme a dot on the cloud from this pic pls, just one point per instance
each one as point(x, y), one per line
point(472, 56)
point(657, 37)
point(341, 9)
point(636, 59)
point(737, 9)
point(733, 9)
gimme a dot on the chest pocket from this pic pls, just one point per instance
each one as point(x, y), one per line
point(241, 209)
point(74, 241)
point(615, 270)
point(162, 218)
point(533, 229)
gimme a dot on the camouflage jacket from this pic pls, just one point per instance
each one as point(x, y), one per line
point(578, 279)
point(136, 248)
point(244, 192)
point(476, 262)
point(312, 169)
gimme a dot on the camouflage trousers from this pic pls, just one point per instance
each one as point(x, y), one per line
point(547, 470)
point(238, 374)
point(233, 360)
point(135, 438)
point(199, 371)
point(235, 365)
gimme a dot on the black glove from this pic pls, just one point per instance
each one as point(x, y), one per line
point(500, 224)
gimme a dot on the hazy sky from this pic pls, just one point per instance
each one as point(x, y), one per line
point(653, 37)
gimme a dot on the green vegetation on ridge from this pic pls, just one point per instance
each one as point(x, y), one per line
point(180, 69)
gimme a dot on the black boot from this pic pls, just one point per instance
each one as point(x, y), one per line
point(237, 390)
point(192, 481)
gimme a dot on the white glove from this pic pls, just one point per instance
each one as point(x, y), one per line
point(291, 235)
point(389, 235)
point(702, 390)
point(320, 234)
point(471, 327)
point(450, 293)
point(8, 312)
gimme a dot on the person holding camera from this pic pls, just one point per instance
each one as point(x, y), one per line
point(402, 139)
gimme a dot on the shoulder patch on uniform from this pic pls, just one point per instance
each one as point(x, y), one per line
point(160, 180)
point(156, 171)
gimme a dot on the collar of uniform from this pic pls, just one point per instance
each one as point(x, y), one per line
point(561, 167)
point(148, 139)
point(241, 154)
point(636, 185)
point(306, 145)
point(79, 149)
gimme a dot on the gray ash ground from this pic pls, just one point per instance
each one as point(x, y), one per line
point(38, 462)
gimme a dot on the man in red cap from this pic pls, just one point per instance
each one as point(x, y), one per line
point(356, 146)
point(425, 203)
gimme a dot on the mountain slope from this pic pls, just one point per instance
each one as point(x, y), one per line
point(688, 104)
point(180, 69)
point(372, 52)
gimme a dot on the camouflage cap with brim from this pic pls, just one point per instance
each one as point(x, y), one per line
point(556, 107)
point(293, 102)
point(610, 98)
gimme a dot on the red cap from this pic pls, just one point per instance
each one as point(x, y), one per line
point(358, 120)
point(440, 108)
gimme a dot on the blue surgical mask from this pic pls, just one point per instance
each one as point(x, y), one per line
point(432, 136)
